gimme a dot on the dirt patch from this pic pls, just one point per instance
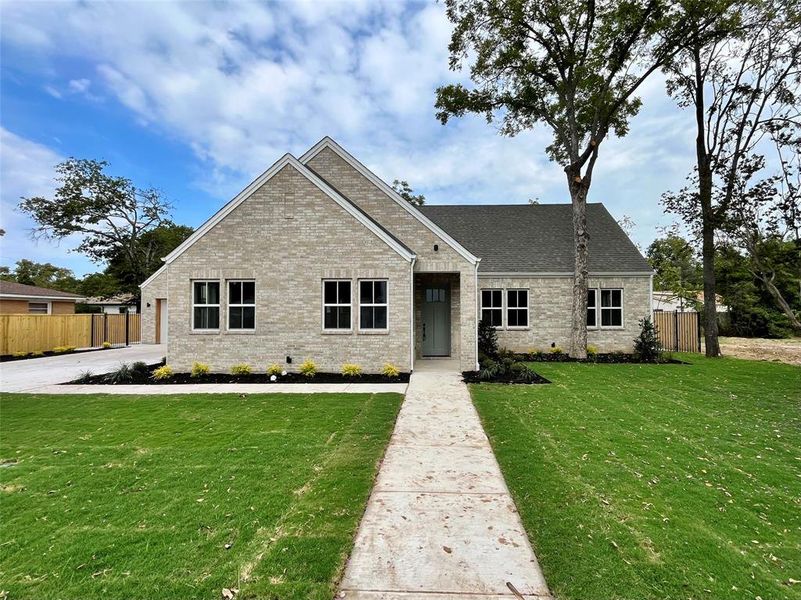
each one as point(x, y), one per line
point(786, 351)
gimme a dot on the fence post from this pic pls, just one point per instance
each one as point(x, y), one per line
point(92, 330)
point(105, 327)
point(127, 325)
point(676, 328)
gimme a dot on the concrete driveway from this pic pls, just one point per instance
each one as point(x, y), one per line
point(28, 375)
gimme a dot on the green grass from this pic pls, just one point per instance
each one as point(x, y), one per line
point(656, 481)
point(137, 497)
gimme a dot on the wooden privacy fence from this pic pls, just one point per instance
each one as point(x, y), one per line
point(40, 333)
point(678, 331)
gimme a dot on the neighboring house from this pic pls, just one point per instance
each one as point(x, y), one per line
point(21, 299)
point(320, 259)
point(113, 305)
point(669, 302)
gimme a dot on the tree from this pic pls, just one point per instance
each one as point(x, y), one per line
point(110, 214)
point(677, 268)
point(406, 192)
point(739, 85)
point(573, 65)
point(42, 275)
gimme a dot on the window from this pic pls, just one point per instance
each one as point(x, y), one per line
point(38, 308)
point(435, 294)
point(611, 308)
point(241, 305)
point(592, 308)
point(336, 305)
point(517, 308)
point(492, 307)
point(372, 305)
point(206, 305)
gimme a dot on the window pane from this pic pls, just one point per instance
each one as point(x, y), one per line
point(198, 318)
point(612, 317)
point(37, 308)
point(344, 293)
point(234, 292)
point(380, 317)
point(591, 298)
point(518, 318)
point(616, 298)
point(200, 292)
point(235, 318)
point(497, 299)
point(344, 316)
point(522, 298)
point(511, 318)
point(249, 317)
point(248, 292)
point(497, 317)
point(606, 298)
point(330, 292)
point(591, 318)
point(330, 320)
point(366, 292)
point(213, 288)
point(380, 292)
point(367, 317)
point(486, 298)
point(429, 295)
point(511, 298)
point(214, 316)
point(486, 316)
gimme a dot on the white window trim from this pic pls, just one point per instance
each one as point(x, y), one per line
point(49, 307)
point(599, 317)
point(526, 308)
point(373, 304)
point(229, 305)
point(502, 307)
point(323, 306)
point(192, 312)
point(595, 308)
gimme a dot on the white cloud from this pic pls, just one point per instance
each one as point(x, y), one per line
point(26, 169)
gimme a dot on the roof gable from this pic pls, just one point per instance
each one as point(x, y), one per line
point(328, 143)
point(23, 290)
point(286, 160)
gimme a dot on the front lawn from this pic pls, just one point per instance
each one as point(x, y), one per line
point(656, 481)
point(182, 496)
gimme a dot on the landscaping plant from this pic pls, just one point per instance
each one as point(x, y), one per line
point(241, 369)
point(646, 345)
point(162, 373)
point(308, 368)
point(199, 369)
point(390, 370)
point(351, 370)
point(275, 369)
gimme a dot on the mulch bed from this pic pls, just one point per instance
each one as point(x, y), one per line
point(472, 377)
point(186, 378)
point(12, 358)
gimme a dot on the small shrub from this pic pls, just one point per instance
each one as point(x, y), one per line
point(36, 353)
point(522, 373)
point(390, 370)
point(351, 370)
point(275, 369)
point(489, 370)
point(646, 345)
point(123, 374)
point(84, 377)
point(487, 339)
point(241, 369)
point(20, 354)
point(139, 369)
point(64, 349)
point(106, 345)
point(199, 369)
point(162, 373)
point(592, 350)
point(555, 350)
point(308, 368)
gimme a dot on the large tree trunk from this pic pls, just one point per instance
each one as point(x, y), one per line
point(578, 329)
point(780, 301)
point(711, 344)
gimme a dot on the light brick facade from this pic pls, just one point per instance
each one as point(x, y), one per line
point(550, 305)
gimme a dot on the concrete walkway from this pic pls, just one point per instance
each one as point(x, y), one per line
point(440, 523)
point(31, 374)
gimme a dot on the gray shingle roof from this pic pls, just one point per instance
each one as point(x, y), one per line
point(536, 238)
point(22, 289)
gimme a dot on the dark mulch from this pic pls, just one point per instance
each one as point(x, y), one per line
point(610, 358)
point(12, 358)
point(472, 377)
point(186, 378)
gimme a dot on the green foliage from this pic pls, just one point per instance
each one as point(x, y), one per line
point(351, 370)
point(677, 267)
point(487, 339)
point(275, 369)
point(406, 192)
point(199, 369)
point(555, 350)
point(122, 374)
point(107, 345)
point(592, 350)
point(41, 274)
point(646, 344)
point(162, 373)
point(308, 368)
point(241, 369)
point(64, 349)
point(20, 354)
point(390, 370)
point(85, 377)
point(37, 353)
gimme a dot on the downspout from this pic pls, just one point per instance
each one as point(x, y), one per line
point(651, 297)
point(475, 305)
point(411, 313)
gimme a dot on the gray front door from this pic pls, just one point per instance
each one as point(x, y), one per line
point(437, 321)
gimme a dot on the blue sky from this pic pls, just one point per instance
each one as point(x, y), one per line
point(198, 98)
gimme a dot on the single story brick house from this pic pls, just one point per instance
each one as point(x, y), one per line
point(22, 299)
point(320, 259)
